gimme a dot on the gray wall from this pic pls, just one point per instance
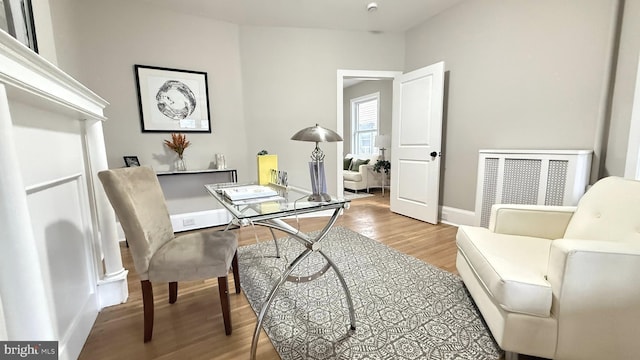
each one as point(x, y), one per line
point(521, 74)
point(98, 42)
point(289, 80)
point(264, 83)
point(625, 82)
point(385, 87)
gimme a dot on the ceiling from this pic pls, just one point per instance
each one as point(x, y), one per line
point(391, 15)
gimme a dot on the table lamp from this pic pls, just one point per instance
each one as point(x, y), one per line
point(317, 134)
point(382, 142)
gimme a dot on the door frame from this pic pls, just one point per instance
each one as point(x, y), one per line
point(341, 75)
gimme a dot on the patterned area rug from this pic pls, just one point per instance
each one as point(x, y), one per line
point(351, 195)
point(404, 307)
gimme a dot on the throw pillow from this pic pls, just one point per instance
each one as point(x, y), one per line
point(347, 164)
point(355, 164)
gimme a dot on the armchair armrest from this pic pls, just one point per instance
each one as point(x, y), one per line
point(549, 222)
point(596, 298)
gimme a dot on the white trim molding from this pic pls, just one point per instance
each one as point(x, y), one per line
point(39, 102)
point(632, 165)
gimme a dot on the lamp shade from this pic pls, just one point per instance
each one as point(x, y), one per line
point(382, 141)
point(316, 134)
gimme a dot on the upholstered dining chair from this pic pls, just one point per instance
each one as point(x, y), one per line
point(158, 254)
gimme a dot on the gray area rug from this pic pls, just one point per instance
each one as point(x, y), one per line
point(404, 307)
point(352, 196)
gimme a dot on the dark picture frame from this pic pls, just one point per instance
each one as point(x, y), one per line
point(131, 161)
point(172, 100)
point(19, 22)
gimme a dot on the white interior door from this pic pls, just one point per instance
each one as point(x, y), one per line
point(416, 140)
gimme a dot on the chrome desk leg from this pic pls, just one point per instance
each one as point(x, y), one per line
point(267, 303)
point(311, 246)
point(347, 293)
point(273, 234)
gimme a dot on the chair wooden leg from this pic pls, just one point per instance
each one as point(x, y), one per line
point(236, 272)
point(173, 292)
point(224, 301)
point(147, 304)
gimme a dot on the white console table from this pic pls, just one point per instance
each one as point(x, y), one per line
point(189, 204)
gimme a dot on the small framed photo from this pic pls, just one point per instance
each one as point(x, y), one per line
point(131, 161)
point(172, 100)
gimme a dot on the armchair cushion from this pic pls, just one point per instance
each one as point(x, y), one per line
point(355, 164)
point(512, 268)
point(346, 163)
point(549, 222)
point(352, 176)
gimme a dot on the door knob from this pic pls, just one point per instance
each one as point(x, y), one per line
point(433, 154)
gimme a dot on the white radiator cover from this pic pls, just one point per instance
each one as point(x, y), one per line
point(544, 177)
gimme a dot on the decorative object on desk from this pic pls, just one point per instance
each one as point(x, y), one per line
point(266, 164)
point(245, 192)
point(382, 142)
point(130, 161)
point(19, 22)
point(263, 152)
point(421, 312)
point(178, 144)
point(381, 165)
point(221, 163)
point(279, 177)
point(172, 99)
point(317, 134)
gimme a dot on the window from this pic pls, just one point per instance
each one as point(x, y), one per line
point(364, 123)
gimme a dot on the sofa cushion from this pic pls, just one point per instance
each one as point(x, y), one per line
point(352, 176)
point(355, 164)
point(512, 268)
point(346, 164)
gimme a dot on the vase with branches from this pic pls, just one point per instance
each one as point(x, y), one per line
point(178, 143)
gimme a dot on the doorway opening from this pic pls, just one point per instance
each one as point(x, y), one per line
point(345, 77)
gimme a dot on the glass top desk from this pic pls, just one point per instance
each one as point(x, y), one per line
point(268, 212)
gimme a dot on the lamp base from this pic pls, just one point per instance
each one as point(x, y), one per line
point(319, 197)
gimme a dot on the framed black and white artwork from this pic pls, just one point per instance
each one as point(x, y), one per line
point(172, 100)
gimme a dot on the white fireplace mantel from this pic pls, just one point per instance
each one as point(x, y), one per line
point(60, 260)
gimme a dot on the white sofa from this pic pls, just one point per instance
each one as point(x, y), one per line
point(360, 179)
point(560, 282)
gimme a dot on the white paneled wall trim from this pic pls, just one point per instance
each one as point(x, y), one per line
point(60, 262)
point(545, 177)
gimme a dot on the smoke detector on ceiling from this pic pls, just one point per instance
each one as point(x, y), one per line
point(372, 6)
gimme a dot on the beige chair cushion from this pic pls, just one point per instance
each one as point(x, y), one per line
point(158, 254)
point(137, 198)
point(511, 268)
point(193, 256)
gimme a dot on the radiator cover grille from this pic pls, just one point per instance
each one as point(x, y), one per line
point(520, 177)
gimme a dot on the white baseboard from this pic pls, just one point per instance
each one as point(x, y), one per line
point(200, 219)
point(192, 221)
point(453, 216)
point(113, 290)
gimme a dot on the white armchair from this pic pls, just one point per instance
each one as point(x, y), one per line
point(357, 177)
point(560, 282)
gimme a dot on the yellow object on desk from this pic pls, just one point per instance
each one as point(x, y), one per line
point(266, 163)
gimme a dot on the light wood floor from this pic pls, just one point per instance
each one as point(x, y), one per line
point(192, 328)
